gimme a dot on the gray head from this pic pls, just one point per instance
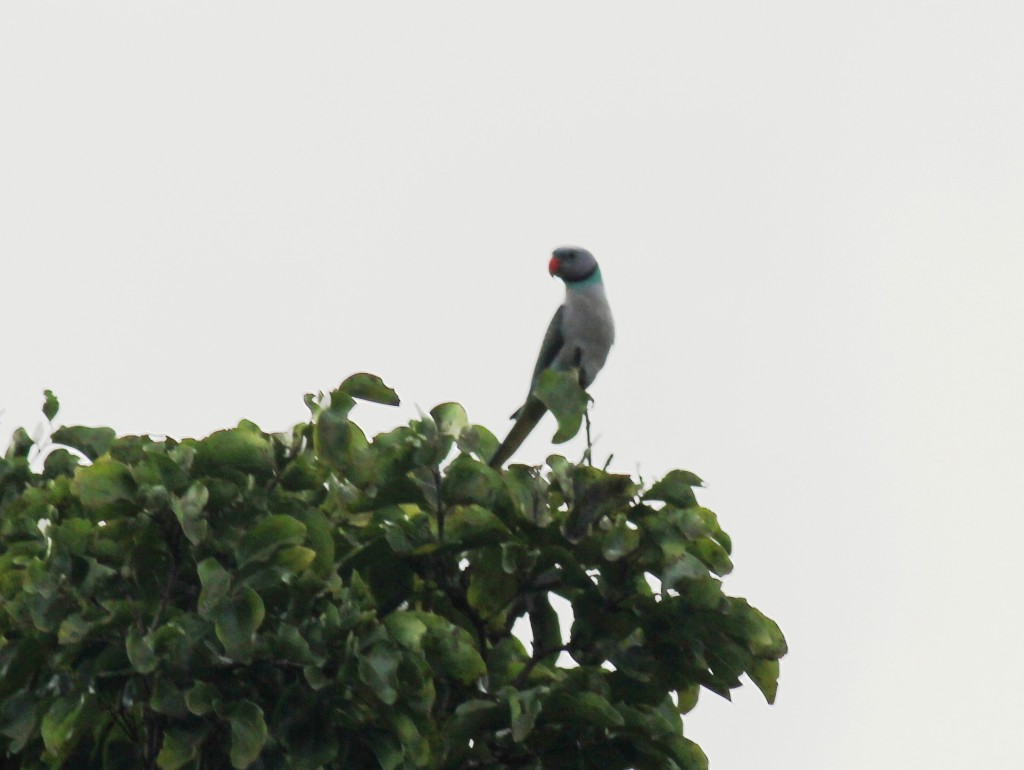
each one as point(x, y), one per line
point(573, 264)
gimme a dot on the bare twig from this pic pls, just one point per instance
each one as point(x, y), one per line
point(588, 455)
point(440, 505)
point(537, 657)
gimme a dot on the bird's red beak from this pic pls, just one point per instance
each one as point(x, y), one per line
point(553, 266)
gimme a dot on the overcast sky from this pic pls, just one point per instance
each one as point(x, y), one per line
point(809, 215)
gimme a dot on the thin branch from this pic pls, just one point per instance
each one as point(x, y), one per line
point(538, 656)
point(588, 455)
point(440, 505)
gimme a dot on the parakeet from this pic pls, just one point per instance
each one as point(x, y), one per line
point(580, 335)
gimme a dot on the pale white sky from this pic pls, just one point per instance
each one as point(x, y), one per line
point(810, 217)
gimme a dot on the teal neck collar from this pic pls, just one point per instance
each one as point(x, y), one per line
point(590, 280)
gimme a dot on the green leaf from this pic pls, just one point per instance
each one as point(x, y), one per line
point(318, 534)
point(675, 488)
point(476, 440)
point(471, 525)
point(406, 628)
point(424, 480)
point(686, 567)
point(180, 746)
point(529, 494)
point(167, 699)
point(308, 730)
point(451, 649)
point(468, 481)
point(368, 387)
point(216, 582)
point(63, 723)
point(378, 669)
point(343, 444)
point(290, 645)
point(712, 554)
point(762, 635)
point(690, 521)
point(305, 571)
point(236, 621)
point(119, 753)
point(73, 535)
point(765, 674)
point(589, 707)
point(50, 405)
point(19, 715)
point(390, 580)
point(270, 533)
point(73, 629)
point(524, 708)
point(159, 470)
point(620, 540)
point(505, 661)
point(301, 474)
point(313, 403)
point(60, 462)
point(245, 449)
point(92, 442)
point(20, 445)
point(202, 698)
point(685, 753)
point(103, 483)
point(561, 393)
point(515, 557)
point(296, 559)
point(408, 529)
point(189, 511)
point(415, 748)
point(595, 494)
point(387, 749)
point(545, 625)
point(687, 698)
point(140, 652)
point(248, 732)
point(491, 589)
point(451, 419)
point(474, 718)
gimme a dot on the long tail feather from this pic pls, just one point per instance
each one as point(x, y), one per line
point(527, 420)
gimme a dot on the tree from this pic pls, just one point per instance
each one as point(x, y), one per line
point(317, 599)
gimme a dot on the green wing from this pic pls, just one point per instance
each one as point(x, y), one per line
point(528, 415)
point(553, 341)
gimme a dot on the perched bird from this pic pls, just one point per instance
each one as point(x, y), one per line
point(580, 335)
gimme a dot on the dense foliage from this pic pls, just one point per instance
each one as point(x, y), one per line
point(317, 599)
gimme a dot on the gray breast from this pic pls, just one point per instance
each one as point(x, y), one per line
point(589, 332)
